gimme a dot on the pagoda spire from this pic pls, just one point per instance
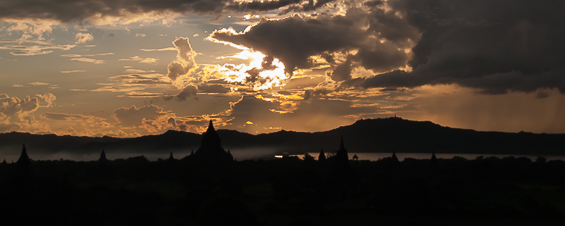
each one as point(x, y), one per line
point(23, 172)
point(102, 156)
point(211, 148)
point(24, 158)
point(341, 155)
point(322, 156)
point(210, 126)
point(394, 158)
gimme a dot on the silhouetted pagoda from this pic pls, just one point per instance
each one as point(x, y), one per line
point(23, 172)
point(340, 160)
point(210, 148)
point(394, 158)
point(434, 163)
point(341, 156)
point(322, 156)
point(102, 157)
point(24, 159)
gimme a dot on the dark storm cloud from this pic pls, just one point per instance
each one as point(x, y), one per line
point(79, 10)
point(295, 5)
point(342, 72)
point(294, 40)
point(493, 46)
point(212, 89)
point(381, 37)
point(184, 94)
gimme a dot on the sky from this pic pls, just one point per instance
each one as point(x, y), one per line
point(132, 68)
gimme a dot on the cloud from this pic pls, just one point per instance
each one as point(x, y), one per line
point(48, 98)
point(30, 29)
point(102, 11)
point(77, 124)
point(159, 50)
point(134, 85)
point(184, 62)
point(62, 116)
point(88, 60)
point(212, 89)
point(83, 38)
point(138, 71)
point(71, 55)
point(87, 55)
point(358, 38)
point(139, 79)
point(34, 50)
point(20, 108)
point(184, 94)
point(72, 71)
point(291, 5)
point(38, 84)
point(141, 60)
point(312, 115)
point(134, 116)
point(485, 45)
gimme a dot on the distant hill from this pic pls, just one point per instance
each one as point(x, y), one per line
point(369, 135)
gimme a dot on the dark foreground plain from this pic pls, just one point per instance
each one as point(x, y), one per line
point(289, 191)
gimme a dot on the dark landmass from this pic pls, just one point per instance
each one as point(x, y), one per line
point(284, 192)
point(370, 135)
point(209, 188)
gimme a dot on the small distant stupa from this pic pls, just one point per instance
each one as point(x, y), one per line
point(322, 156)
point(394, 158)
point(229, 154)
point(102, 157)
point(211, 148)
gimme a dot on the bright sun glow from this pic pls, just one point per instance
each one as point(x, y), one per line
point(266, 79)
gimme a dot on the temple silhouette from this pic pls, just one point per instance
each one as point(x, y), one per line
point(211, 188)
point(102, 157)
point(211, 149)
point(341, 156)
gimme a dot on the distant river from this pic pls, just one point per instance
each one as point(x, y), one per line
point(402, 156)
point(257, 154)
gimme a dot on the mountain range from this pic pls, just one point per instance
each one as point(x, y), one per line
point(367, 135)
